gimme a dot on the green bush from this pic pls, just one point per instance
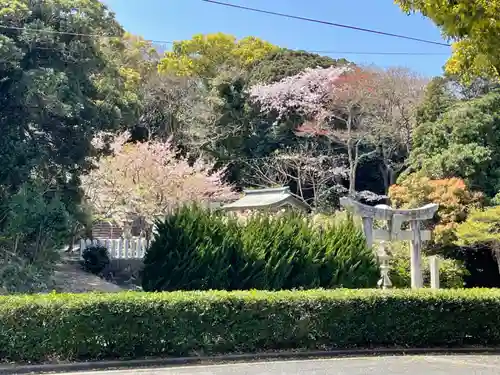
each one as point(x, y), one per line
point(95, 259)
point(193, 249)
point(34, 225)
point(199, 250)
point(451, 271)
point(134, 325)
point(290, 252)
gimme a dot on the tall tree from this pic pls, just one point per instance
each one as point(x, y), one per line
point(397, 93)
point(336, 103)
point(204, 55)
point(463, 142)
point(59, 86)
point(474, 25)
point(437, 99)
point(57, 90)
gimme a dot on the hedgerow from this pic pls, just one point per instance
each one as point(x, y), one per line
point(51, 327)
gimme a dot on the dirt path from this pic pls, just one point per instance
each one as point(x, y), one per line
point(70, 278)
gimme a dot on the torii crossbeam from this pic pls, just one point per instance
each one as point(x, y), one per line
point(395, 218)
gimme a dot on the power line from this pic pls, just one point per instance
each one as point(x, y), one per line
point(164, 42)
point(379, 53)
point(55, 32)
point(327, 23)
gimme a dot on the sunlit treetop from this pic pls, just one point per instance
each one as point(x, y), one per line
point(473, 25)
point(203, 55)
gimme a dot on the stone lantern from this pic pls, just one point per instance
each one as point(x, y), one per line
point(384, 258)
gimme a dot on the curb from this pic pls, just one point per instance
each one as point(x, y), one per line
point(234, 358)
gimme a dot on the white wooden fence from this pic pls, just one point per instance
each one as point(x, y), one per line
point(134, 248)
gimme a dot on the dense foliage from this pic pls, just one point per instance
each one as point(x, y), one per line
point(481, 227)
point(219, 113)
point(283, 63)
point(452, 195)
point(463, 143)
point(473, 25)
point(58, 89)
point(138, 325)
point(95, 259)
point(195, 249)
point(203, 55)
point(452, 273)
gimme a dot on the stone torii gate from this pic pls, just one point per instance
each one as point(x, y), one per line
point(393, 232)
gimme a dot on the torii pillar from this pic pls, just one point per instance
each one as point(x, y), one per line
point(395, 218)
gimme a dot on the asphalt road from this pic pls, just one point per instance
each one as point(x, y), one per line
point(409, 365)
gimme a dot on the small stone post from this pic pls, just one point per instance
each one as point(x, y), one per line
point(434, 270)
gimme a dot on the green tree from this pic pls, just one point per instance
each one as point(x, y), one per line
point(235, 130)
point(134, 59)
point(204, 55)
point(474, 25)
point(481, 228)
point(463, 143)
point(437, 99)
point(58, 88)
point(285, 63)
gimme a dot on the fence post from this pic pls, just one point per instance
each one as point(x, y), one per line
point(82, 247)
point(134, 248)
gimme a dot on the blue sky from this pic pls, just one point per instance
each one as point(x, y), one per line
point(180, 19)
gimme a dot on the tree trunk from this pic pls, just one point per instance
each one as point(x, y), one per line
point(388, 175)
point(353, 167)
point(385, 177)
point(496, 255)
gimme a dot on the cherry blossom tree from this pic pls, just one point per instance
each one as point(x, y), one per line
point(367, 111)
point(335, 102)
point(146, 180)
point(307, 93)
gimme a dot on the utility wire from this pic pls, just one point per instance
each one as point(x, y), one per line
point(164, 42)
point(327, 23)
point(100, 36)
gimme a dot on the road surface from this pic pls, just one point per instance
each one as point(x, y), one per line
point(410, 365)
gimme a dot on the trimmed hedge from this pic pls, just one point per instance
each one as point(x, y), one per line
point(134, 325)
point(196, 249)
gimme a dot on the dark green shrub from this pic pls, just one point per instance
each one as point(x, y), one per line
point(281, 252)
point(136, 325)
point(291, 252)
point(196, 249)
point(95, 259)
point(349, 263)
